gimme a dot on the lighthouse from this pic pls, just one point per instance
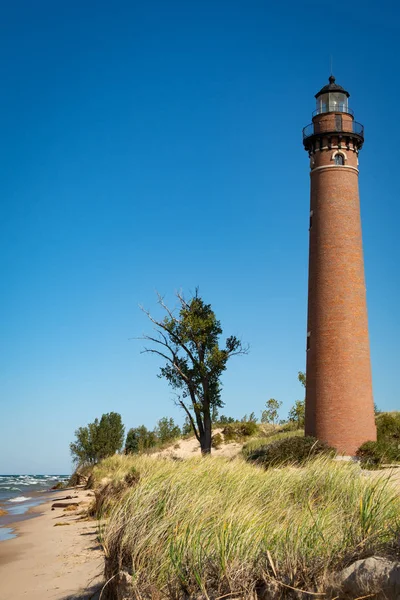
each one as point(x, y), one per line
point(339, 400)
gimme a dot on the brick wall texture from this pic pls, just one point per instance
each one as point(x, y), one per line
point(339, 400)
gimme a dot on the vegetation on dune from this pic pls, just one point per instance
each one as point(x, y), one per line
point(386, 450)
point(105, 437)
point(238, 431)
point(275, 435)
point(212, 526)
point(217, 441)
point(297, 414)
point(271, 412)
point(388, 426)
point(139, 439)
point(188, 342)
point(292, 450)
point(98, 439)
point(167, 431)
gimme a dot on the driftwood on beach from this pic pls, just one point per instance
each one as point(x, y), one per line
point(64, 504)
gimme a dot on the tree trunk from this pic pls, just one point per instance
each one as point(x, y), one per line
point(205, 441)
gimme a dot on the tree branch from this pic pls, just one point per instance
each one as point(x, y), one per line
point(152, 351)
point(182, 300)
point(190, 419)
point(243, 351)
point(165, 307)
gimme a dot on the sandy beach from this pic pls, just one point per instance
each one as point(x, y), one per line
point(47, 561)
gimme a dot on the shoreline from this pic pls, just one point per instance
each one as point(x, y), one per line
point(17, 513)
point(55, 554)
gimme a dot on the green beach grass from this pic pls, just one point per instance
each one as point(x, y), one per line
point(212, 527)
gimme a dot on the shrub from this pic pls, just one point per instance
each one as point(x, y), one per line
point(290, 426)
point(388, 426)
point(373, 455)
point(294, 450)
point(386, 449)
point(216, 441)
point(258, 442)
point(369, 455)
point(235, 432)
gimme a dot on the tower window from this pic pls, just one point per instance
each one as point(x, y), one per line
point(339, 159)
point(311, 216)
point(308, 340)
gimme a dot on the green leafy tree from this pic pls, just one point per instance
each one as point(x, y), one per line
point(98, 439)
point(83, 448)
point(298, 412)
point(249, 419)
point(186, 427)
point(214, 414)
point(166, 430)
point(110, 435)
point(271, 412)
point(139, 439)
point(301, 376)
point(224, 420)
point(188, 341)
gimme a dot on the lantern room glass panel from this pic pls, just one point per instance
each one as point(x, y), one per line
point(332, 102)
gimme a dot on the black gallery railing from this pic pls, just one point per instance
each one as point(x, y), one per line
point(323, 128)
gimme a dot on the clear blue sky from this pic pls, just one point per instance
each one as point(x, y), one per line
point(157, 146)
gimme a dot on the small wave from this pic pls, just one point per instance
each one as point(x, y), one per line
point(30, 483)
point(20, 499)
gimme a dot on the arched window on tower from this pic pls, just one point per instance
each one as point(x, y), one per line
point(339, 159)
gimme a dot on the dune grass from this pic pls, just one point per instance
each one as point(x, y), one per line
point(208, 527)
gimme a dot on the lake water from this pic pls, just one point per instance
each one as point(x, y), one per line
point(19, 493)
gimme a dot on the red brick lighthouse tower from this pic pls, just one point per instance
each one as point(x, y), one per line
point(339, 401)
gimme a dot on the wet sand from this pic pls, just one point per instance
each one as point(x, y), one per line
point(48, 562)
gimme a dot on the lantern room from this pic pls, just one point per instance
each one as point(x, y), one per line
point(332, 98)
